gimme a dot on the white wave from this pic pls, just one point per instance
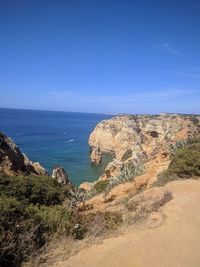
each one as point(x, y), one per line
point(71, 140)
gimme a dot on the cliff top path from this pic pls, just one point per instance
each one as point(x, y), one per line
point(170, 238)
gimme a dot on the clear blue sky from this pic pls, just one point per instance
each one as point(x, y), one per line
point(100, 55)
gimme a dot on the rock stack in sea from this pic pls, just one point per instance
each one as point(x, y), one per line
point(60, 175)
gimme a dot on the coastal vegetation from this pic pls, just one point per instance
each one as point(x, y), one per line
point(126, 174)
point(101, 186)
point(35, 210)
point(185, 163)
point(31, 211)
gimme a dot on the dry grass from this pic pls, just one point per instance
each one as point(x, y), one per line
point(139, 209)
point(100, 225)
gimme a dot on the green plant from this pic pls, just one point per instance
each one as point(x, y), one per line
point(128, 172)
point(26, 228)
point(19, 236)
point(55, 219)
point(42, 190)
point(31, 213)
point(76, 195)
point(101, 186)
point(185, 163)
point(98, 188)
point(174, 147)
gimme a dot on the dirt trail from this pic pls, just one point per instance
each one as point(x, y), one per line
point(174, 243)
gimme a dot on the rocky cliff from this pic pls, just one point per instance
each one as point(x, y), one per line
point(14, 162)
point(140, 138)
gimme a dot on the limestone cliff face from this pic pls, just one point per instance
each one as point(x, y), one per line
point(14, 162)
point(140, 137)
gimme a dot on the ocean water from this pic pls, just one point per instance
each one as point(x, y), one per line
point(55, 138)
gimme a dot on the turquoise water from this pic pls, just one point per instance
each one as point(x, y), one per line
point(54, 138)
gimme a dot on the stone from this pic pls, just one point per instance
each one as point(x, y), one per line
point(86, 186)
point(139, 138)
point(96, 156)
point(40, 170)
point(60, 175)
point(13, 162)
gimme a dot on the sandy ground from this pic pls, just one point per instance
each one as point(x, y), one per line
point(170, 238)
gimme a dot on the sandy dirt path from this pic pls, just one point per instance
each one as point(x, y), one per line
point(174, 243)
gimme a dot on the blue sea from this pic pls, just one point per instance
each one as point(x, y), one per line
point(55, 138)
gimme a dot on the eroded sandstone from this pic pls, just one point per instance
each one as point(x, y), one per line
point(140, 138)
point(60, 175)
point(14, 162)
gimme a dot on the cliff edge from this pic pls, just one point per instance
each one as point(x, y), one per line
point(139, 138)
point(14, 162)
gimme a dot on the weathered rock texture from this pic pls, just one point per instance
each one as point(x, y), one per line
point(14, 162)
point(139, 138)
point(60, 175)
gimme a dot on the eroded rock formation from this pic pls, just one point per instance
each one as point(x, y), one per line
point(14, 162)
point(139, 138)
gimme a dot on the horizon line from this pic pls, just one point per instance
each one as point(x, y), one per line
point(108, 114)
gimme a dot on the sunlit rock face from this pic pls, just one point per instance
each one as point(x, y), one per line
point(96, 157)
point(139, 138)
point(14, 162)
point(60, 175)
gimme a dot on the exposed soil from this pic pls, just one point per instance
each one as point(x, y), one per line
point(169, 238)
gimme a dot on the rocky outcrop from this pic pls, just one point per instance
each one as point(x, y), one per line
point(38, 168)
point(86, 186)
point(139, 138)
point(96, 156)
point(60, 175)
point(14, 162)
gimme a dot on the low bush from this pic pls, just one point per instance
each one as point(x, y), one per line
point(19, 236)
point(26, 228)
point(55, 220)
point(101, 186)
point(99, 223)
point(184, 164)
point(32, 213)
point(127, 174)
point(42, 190)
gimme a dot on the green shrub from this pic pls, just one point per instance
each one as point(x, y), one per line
point(101, 186)
point(30, 215)
point(41, 190)
point(19, 236)
point(26, 228)
point(127, 174)
point(185, 164)
point(54, 219)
